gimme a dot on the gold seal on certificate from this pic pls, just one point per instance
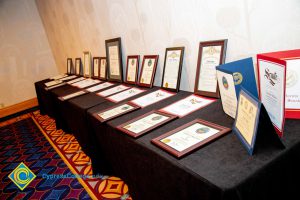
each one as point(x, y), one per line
point(172, 68)
point(148, 70)
point(132, 69)
point(87, 66)
point(114, 59)
point(211, 54)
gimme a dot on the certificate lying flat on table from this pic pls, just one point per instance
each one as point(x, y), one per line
point(51, 83)
point(152, 98)
point(76, 80)
point(187, 105)
point(55, 86)
point(99, 87)
point(75, 94)
point(125, 95)
point(87, 83)
point(59, 76)
point(68, 78)
point(113, 90)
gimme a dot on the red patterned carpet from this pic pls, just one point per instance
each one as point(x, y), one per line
point(26, 139)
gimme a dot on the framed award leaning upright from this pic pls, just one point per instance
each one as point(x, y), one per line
point(211, 54)
point(87, 67)
point(114, 59)
point(69, 66)
point(172, 68)
point(96, 68)
point(132, 69)
point(103, 69)
point(148, 70)
point(78, 66)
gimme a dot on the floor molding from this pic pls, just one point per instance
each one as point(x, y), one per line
point(10, 110)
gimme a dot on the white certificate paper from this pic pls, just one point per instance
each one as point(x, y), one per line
point(271, 77)
point(100, 87)
point(147, 72)
point(113, 90)
point(51, 83)
point(69, 65)
point(145, 123)
point(87, 64)
point(189, 136)
point(75, 94)
point(292, 100)
point(77, 66)
point(171, 69)
point(68, 78)
point(82, 82)
point(227, 92)
point(210, 59)
point(87, 83)
point(103, 68)
point(131, 71)
point(152, 98)
point(96, 67)
point(76, 80)
point(125, 95)
point(59, 76)
point(187, 105)
point(114, 67)
point(115, 111)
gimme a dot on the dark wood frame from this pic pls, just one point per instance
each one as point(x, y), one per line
point(137, 57)
point(107, 45)
point(223, 44)
point(80, 67)
point(71, 67)
point(120, 127)
point(103, 78)
point(222, 131)
point(93, 75)
point(135, 107)
point(179, 68)
point(153, 73)
point(90, 64)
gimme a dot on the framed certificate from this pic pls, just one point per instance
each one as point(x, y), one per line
point(96, 67)
point(145, 123)
point(189, 137)
point(78, 66)
point(114, 59)
point(103, 68)
point(172, 68)
point(112, 91)
point(87, 66)
point(132, 69)
point(125, 95)
point(70, 66)
point(115, 111)
point(211, 54)
point(148, 70)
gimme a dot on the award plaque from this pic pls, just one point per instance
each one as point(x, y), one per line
point(87, 66)
point(103, 69)
point(96, 67)
point(189, 137)
point(132, 69)
point(148, 70)
point(211, 54)
point(78, 66)
point(145, 123)
point(115, 111)
point(69, 66)
point(172, 69)
point(114, 59)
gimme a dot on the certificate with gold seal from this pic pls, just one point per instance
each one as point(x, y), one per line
point(172, 68)
point(148, 70)
point(189, 137)
point(132, 69)
point(145, 123)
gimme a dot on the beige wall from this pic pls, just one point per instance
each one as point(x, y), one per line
point(25, 55)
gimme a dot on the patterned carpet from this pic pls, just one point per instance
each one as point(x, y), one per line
point(34, 140)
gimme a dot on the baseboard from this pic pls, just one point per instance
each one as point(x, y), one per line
point(10, 110)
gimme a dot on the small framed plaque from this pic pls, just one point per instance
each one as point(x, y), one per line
point(211, 54)
point(96, 67)
point(114, 59)
point(78, 66)
point(189, 137)
point(132, 69)
point(103, 69)
point(148, 70)
point(87, 66)
point(172, 68)
point(115, 111)
point(70, 67)
point(145, 123)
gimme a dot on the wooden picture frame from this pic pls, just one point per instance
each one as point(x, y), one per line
point(114, 59)
point(78, 62)
point(70, 67)
point(135, 135)
point(172, 59)
point(132, 74)
point(133, 108)
point(103, 69)
point(206, 126)
point(96, 63)
point(208, 59)
point(141, 81)
point(87, 65)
